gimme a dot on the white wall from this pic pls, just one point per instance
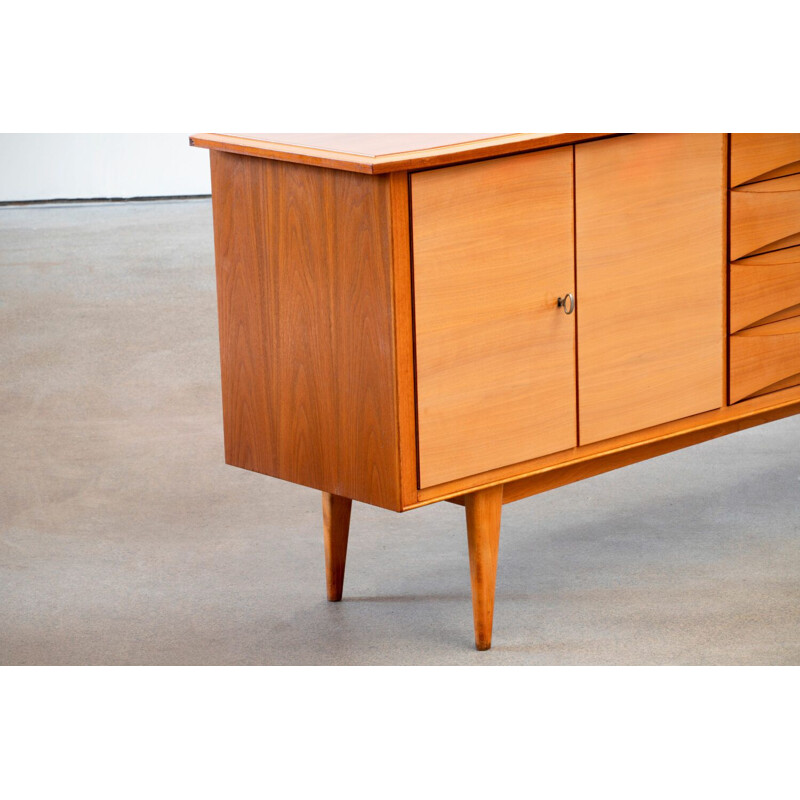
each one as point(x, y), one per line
point(48, 166)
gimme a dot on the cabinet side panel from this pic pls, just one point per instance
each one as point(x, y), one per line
point(493, 251)
point(304, 280)
point(650, 274)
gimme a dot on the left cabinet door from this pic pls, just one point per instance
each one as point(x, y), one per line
point(495, 354)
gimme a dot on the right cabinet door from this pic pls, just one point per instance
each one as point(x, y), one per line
point(650, 263)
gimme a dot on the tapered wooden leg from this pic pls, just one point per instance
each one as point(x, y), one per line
point(484, 509)
point(336, 521)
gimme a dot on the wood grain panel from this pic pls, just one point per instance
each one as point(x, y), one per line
point(651, 280)
point(333, 149)
point(493, 250)
point(763, 356)
point(305, 288)
point(754, 155)
point(763, 286)
point(763, 214)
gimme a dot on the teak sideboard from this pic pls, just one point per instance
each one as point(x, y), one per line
point(409, 318)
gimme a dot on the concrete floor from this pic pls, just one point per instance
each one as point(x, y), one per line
point(124, 539)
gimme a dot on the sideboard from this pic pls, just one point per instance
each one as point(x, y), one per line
point(411, 318)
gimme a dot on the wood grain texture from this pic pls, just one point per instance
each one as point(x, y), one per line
point(305, 288)
point(493, 251)
point(651, 280)
point(550, 472)
point(336, 531)
point(780, 172)
point(770, 406)
point(763, 356)
point(765, 288)
point(564, 474)
point(326, 154)
point(763, 215)
point(757, 155)
point(778, 386)
point(403, 315)
point(782, 244)
point(483, 511)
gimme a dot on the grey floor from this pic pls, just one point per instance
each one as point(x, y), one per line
point(124, 539)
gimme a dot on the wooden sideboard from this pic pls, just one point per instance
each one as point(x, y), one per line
point(410, 318)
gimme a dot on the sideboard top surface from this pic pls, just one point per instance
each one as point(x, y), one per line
point(377, 153)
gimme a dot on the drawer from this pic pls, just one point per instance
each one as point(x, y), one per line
point(765, 216)
point(763, 155)
point(765, 288)
point(764, 359)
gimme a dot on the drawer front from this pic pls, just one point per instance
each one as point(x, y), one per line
point(765, 216)
point(765, 358)
point(765, 288)
point(763, 155)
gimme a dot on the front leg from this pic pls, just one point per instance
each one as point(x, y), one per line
point(484, 509)
point(336, 522)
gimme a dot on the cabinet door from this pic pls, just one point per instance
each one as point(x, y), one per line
point(650, 245)
point(493, 251)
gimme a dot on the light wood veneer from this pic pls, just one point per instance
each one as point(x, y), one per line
point(493, 249)
point(763, 356)
point(378, 153)
point(765, 288)
point(650, 251)
point(764, 215)
point(756, 156)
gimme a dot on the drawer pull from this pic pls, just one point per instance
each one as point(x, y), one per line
point(567, 303)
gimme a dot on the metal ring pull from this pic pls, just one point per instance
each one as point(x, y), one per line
point(567, 303)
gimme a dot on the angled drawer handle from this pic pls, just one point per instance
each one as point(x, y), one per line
point(567, 303)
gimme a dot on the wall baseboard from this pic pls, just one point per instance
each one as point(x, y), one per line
point(46, 166)
point(64, 201)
